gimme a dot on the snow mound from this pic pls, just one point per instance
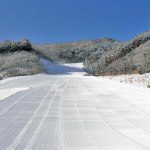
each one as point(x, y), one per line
point(10, 79)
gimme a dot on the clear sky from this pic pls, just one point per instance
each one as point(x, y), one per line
point(55, 21)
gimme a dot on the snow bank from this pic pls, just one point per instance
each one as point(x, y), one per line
point(8, 92)
point(138, 79)
point(10, 79)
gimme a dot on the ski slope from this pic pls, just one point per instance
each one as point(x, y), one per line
point(70, 111)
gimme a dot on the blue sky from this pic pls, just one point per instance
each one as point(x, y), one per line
point(58, 21)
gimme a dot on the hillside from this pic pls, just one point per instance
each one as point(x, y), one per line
point(105, 56)
point(17, 59)
point(130, 57)
point(51, 51)
point(75, 51)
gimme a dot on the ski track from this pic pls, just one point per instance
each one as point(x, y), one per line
point(76, 113)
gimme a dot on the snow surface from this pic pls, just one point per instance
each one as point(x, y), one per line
point(8, 92)
point(10, 79)
point(69, 111)
point(73, 69)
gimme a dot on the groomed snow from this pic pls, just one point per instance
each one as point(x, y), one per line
point(68, 111)
point(73, 69)
point(8, 92)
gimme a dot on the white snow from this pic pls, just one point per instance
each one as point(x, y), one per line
point(10, 79)
point(83, 112)
point(136, 79)
point(8, 92)
point(73, 69)
point(4, 93)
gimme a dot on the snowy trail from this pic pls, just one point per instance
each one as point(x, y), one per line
point(74, 112)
